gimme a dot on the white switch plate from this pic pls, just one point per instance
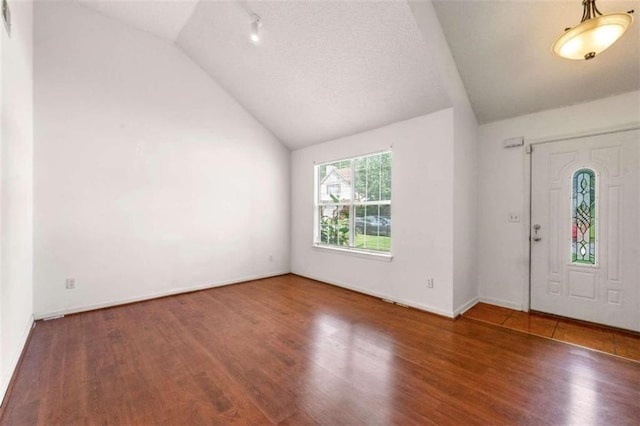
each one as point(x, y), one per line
point(514, 217)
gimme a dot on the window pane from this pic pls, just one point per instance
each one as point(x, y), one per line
point(385, 176)
point(360, 186)
point(360, 179)
point(373, 177)
point(335, 182)
point(334, 225)
point(583, 232)
point(373, 227)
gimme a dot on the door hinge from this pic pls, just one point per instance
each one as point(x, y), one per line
point(529, 149)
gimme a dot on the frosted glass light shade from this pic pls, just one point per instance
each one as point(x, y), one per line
point(589, 38)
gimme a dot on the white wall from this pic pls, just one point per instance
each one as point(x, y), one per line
point(149, 178)
point(465, 284)
point(465, 201)
point(16, 202)
point(2, 379)
point(502, 246)
point(422, 214)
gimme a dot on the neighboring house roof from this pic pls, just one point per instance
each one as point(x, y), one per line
point(342, 174)
point(345, 176)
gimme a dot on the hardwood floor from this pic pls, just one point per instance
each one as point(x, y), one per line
point(294, 351)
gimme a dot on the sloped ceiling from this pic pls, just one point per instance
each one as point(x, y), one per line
point(323, 69)
point(327, 69)
point(159, 17)
point(503, 53)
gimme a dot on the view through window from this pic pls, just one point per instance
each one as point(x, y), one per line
point(353, 203)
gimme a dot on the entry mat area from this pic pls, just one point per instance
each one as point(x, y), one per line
point(604, 339)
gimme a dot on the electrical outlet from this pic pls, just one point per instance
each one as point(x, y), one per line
point(514, 217)
point(70, 283)
point(429, 282)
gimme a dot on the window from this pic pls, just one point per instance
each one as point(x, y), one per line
point(353, 203)
point(334, 189)
point(583, 214)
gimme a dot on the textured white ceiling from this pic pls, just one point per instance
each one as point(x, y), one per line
point(327, 69)
point(502, 50)
point(164, 18)
point(323, 70)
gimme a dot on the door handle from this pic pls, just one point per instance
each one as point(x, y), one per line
point(536, 228)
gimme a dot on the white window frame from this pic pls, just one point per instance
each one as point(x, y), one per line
point(350, 249)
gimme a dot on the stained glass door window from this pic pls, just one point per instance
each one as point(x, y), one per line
point(583, 239)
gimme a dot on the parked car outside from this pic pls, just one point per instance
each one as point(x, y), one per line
point(373, 225)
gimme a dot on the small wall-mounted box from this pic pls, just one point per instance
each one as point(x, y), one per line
point(511, 142)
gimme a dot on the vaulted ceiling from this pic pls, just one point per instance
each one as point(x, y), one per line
point(159, 17)
point(327, 69)
point(323, 69)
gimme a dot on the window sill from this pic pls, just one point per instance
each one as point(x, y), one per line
point(382, 257)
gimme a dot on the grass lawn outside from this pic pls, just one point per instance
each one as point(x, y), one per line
point(373, 242)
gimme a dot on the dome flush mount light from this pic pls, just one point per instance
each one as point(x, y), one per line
point(256, 23)
point(595, 33)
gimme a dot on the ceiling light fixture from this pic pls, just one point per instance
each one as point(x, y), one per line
point(593, 34)
point(256, 23)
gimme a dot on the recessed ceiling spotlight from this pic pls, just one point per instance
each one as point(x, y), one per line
point(593, 34)
point(256, 23)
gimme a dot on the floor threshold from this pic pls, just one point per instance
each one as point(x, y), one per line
point(591, 336)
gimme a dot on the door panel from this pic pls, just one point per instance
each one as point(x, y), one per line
point(570, 221)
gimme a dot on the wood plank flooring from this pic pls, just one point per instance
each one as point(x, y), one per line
point(289, 350)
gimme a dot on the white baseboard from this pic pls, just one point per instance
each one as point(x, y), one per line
point(465, 306)
point(500, 302)
point(92, 307)
point(386, 297)
point(15, 358)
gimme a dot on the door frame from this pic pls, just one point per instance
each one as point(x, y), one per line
point(527, 159)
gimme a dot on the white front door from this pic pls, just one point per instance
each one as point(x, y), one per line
point(585, 229)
